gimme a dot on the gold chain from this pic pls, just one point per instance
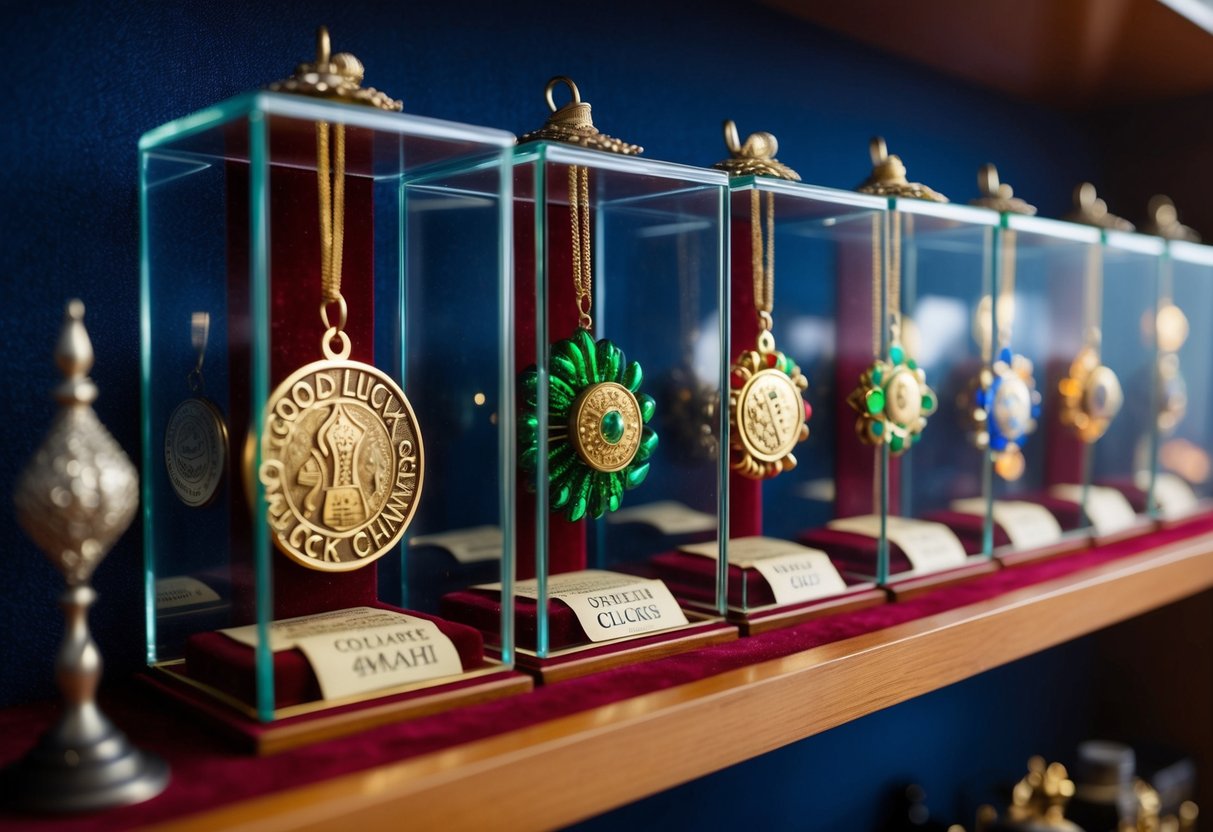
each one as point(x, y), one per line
point(331, 192)
point(1006, 290)
point(1091, 302)
point(764, 277)
point(579, 218)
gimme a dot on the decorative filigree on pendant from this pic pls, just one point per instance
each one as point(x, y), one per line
point(893, 402)
point(767, 413)
point(1006, 408)
point(599, 441)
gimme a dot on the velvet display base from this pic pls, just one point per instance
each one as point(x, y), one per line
point(481, 608)
point(226, 665)
point(751, 603)
point(856, 553)
point(971, 527)
point(206, 774)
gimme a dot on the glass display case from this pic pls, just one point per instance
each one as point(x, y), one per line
point(1183, 479)
point(328, 405)
point(817, 248)
point(621, 317)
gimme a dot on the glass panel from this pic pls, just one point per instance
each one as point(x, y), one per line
point(657, 259)
point(230, 236)
point(1184, 398)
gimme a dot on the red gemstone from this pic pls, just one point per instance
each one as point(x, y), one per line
point(737, 379)
point(808, 411)
point(772, 359)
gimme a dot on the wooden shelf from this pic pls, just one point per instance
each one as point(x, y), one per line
point(695, 729)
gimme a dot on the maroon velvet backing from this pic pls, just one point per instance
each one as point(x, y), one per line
point(229, 666)
point(566, 541)
point(206, 774)
point(745, 494)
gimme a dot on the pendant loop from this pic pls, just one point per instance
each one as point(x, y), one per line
point(342, 313)
point(333, 334)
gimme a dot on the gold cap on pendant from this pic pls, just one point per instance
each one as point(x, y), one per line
point(334, 77)
point(888, 177)
point(998, 196)
point(754, 158)
point(572, 124)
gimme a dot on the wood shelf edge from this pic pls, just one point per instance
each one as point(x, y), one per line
point(571, 768)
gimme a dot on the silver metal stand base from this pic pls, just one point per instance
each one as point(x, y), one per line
point(63, 777)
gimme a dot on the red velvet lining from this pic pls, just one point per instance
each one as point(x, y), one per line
point(206, 774)
point(229, 666)
point(481, 609)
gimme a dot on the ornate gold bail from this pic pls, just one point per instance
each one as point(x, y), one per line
point(888, 177)
point(573, 124)
point(756, 157)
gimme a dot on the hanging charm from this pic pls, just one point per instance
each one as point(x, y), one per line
point(599, 441)
point(892, 398)
point(1091, 394)
point(1006, 403)
point(342, 462)
point(1171, 324)
point(195, 438)
point(893, 402)
point(767, 408)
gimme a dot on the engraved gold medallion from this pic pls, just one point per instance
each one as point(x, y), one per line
point(341, 463)
point(195, 437)
point(768, 413)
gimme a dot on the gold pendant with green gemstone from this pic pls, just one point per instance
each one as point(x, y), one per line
point(893, 402)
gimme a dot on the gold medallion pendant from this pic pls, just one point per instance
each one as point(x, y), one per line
point(1091, 396)
point(768, 413)
point(195, 437)
point(342, 462)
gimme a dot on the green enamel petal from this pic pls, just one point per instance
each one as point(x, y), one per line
point(635, 475)
point(609, 359)
point(648, 444)
point(561, 459)
point(633, 376)
point(647, 406)
point(587, 347)
point(570, 352)
point(581, 497)
point(528, 430)
point(599, 496)
point(560, 396)
point(563, 368)
point(615, 485)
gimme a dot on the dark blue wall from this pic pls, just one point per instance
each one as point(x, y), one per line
point(85, 80)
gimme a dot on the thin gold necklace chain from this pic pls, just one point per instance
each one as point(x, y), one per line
point(331, 192)
point(764, 277)
point(579, 219)
point(1094, 290)
point(891, 322)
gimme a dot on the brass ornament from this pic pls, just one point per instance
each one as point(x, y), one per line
point(334, 77)
point(342, 460)
point(195, 437)
point(1091, 396)
point(1164, 221)
point(1040, 798)
point(1089, 209)
point(573, 124)
point(342, 464)
point(888, 177)
point(999, 196)
point(754, 158)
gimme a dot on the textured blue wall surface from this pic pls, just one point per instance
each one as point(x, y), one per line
point(87, 79)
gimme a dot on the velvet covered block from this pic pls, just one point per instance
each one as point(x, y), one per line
point(857, 553)
point(693, 577)
point(481, 608)
point(215, 660)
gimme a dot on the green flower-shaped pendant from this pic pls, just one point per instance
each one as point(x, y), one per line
point(893, 402)
point(599, 443)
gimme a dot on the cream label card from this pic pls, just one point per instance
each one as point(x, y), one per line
point(1107, 509)
point(1174, 496)
point(361, 649)
point(471, 545)
point(667, 517)
point(795, 573)
point(1028, 525)
point(928, 546)
point(611, 605)
point(183, 591)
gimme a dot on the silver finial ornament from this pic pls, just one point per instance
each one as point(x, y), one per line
point(75, 498)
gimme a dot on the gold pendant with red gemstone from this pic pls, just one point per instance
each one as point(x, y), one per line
point(767, 411)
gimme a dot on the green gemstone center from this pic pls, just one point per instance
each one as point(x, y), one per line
point(612, 426)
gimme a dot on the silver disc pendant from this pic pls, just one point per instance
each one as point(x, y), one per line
point(195, 451)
